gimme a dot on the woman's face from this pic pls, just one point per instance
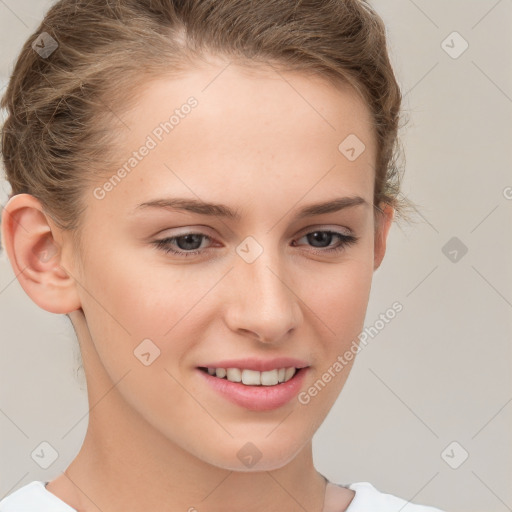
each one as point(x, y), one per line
point(264, 283)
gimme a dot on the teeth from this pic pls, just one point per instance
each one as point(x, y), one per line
point(253, 377)
point(270, 378)
point(234, 374)
point(220, 372)
point(290, 372)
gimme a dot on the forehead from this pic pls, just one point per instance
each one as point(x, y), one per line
point(252, 134)
point(255, 103)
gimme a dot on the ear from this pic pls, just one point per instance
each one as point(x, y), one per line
point(383, 221)
point(35, 255)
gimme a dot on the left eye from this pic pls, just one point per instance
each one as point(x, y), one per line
point(189, 243)
point(323, 235)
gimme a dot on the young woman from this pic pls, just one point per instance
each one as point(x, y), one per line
point(205, 188)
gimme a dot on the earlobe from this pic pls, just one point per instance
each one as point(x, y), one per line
point(384, 221)
point(36, 257)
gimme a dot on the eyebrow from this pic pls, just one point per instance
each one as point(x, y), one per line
point(222, 210)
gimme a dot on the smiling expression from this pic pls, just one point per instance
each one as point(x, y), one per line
point(243, 232)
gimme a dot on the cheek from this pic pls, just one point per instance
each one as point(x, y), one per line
point(129, 310)
point(130, 300)
point(137, 292)
point(338, 309)
point(338, 295)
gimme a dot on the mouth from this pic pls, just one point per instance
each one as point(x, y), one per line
point(255, 391)
point(248, 377)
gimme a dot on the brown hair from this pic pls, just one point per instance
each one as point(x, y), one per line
point(63, 108)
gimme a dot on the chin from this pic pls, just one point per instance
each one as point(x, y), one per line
point(263, 455)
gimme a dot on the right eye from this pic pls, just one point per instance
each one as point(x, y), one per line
point(184, 242)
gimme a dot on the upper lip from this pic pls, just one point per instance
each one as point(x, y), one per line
point(260, 365)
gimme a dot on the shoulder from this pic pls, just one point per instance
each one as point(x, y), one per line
point(33, 497)
point(367, 498)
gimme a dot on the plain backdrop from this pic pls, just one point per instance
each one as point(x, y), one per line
point(426, 413)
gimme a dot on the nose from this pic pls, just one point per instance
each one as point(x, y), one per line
point(263, 303)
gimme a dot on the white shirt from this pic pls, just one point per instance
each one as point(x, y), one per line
point(34, 497)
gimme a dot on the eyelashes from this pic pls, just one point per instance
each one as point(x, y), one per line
point(168, 244)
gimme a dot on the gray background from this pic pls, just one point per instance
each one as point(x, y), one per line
point(440, 371)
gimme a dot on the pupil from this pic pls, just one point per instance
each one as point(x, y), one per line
point(320, 234)
point(186, 245)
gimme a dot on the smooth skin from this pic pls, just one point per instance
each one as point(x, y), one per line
point(265, 144)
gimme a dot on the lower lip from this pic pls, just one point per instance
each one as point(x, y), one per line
point(257, 398)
